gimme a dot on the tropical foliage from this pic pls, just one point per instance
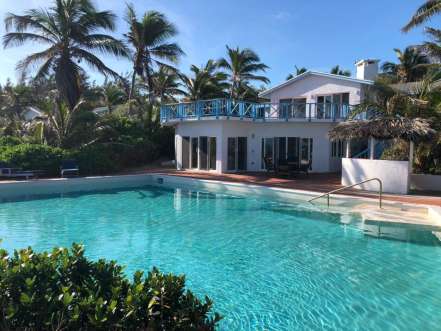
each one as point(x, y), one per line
point(73, 30)
point(63, 290)
point(114, 125)
point(424, 13)
point(242, 67)
point(150, 41)
point(338, 71)
point(206, 82)
point(412, 65)
point(298, 71)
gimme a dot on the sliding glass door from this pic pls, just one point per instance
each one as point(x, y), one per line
point(203, 153)
point(185, 152)
point(194, 152)
point(199, 153)
point(237, 154)
point(241, 153)
point(212, 148)
point(295, 150)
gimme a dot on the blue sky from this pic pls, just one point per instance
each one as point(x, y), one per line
point(317, 34)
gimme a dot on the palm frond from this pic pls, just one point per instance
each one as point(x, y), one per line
point(423, 14)
point(93, 61)
point(105, 44)
point(12, 39)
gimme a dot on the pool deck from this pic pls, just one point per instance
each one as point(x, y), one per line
point(319, 183)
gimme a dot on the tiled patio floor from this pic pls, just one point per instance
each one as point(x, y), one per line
point(313, 182)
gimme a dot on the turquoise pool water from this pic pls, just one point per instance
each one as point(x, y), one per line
point(267, 265)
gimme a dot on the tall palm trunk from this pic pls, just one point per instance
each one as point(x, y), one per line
point(132, 89)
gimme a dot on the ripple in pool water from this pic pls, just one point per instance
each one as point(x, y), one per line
point(266, 265)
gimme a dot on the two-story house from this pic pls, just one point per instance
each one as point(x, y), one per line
point(225, 135)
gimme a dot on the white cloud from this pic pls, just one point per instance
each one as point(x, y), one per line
point(282, 15)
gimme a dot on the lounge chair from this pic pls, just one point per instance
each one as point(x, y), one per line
point(69, 168)
point(269, 164)
point(304, 167)
point(8, 171)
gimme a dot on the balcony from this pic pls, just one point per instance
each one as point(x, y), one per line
point(252, 111)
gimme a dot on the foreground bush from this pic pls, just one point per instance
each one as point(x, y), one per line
point(64, 290)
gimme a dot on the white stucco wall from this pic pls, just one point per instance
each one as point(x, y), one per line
point(425, 182)
point(255, 131)
point(311, 86)
point(393, 174)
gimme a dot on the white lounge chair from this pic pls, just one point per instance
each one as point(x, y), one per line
point(69, 168)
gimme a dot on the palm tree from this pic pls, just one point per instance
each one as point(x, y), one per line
point(166, 85)
point(150, 39)
point(299, 71)
point(241, 66)
point(113, 95)
point(73, 31)
point(60, 119)
point(411, 67)
point(423, 14)
point(207, 82)
point(337, 71)
point(433, 47)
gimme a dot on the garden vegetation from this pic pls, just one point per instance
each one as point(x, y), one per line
point(63, 290)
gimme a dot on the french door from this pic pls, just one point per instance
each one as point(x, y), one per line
point(199, 153)
point(237, 154)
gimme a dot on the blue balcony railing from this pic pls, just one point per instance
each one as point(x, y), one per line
point(226, 108)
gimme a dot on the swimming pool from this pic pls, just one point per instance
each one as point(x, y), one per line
point(267, 265)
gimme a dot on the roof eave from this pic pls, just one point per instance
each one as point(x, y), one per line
point(316, 73)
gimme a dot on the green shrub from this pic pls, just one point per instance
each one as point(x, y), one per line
point(64, 290)
point(95, 159)
point(6, 141)
point(33, 157)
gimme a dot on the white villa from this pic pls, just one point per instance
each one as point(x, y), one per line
point(227, 136)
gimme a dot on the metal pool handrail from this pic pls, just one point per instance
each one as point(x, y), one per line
point(380, 190)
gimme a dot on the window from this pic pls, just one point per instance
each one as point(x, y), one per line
point(292, 108)
point(338, 148)
point(333, 105)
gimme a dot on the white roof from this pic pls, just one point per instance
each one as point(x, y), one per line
point(315, 73)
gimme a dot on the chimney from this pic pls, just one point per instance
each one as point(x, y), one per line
point(367, 69)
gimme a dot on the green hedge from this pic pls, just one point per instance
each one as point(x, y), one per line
point(64, 290)
point(33, 157)
point(94, 159)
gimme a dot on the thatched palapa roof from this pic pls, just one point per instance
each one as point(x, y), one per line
point(410, 129)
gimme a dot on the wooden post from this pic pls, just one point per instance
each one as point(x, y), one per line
point(348, 148)
point(371, 148)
